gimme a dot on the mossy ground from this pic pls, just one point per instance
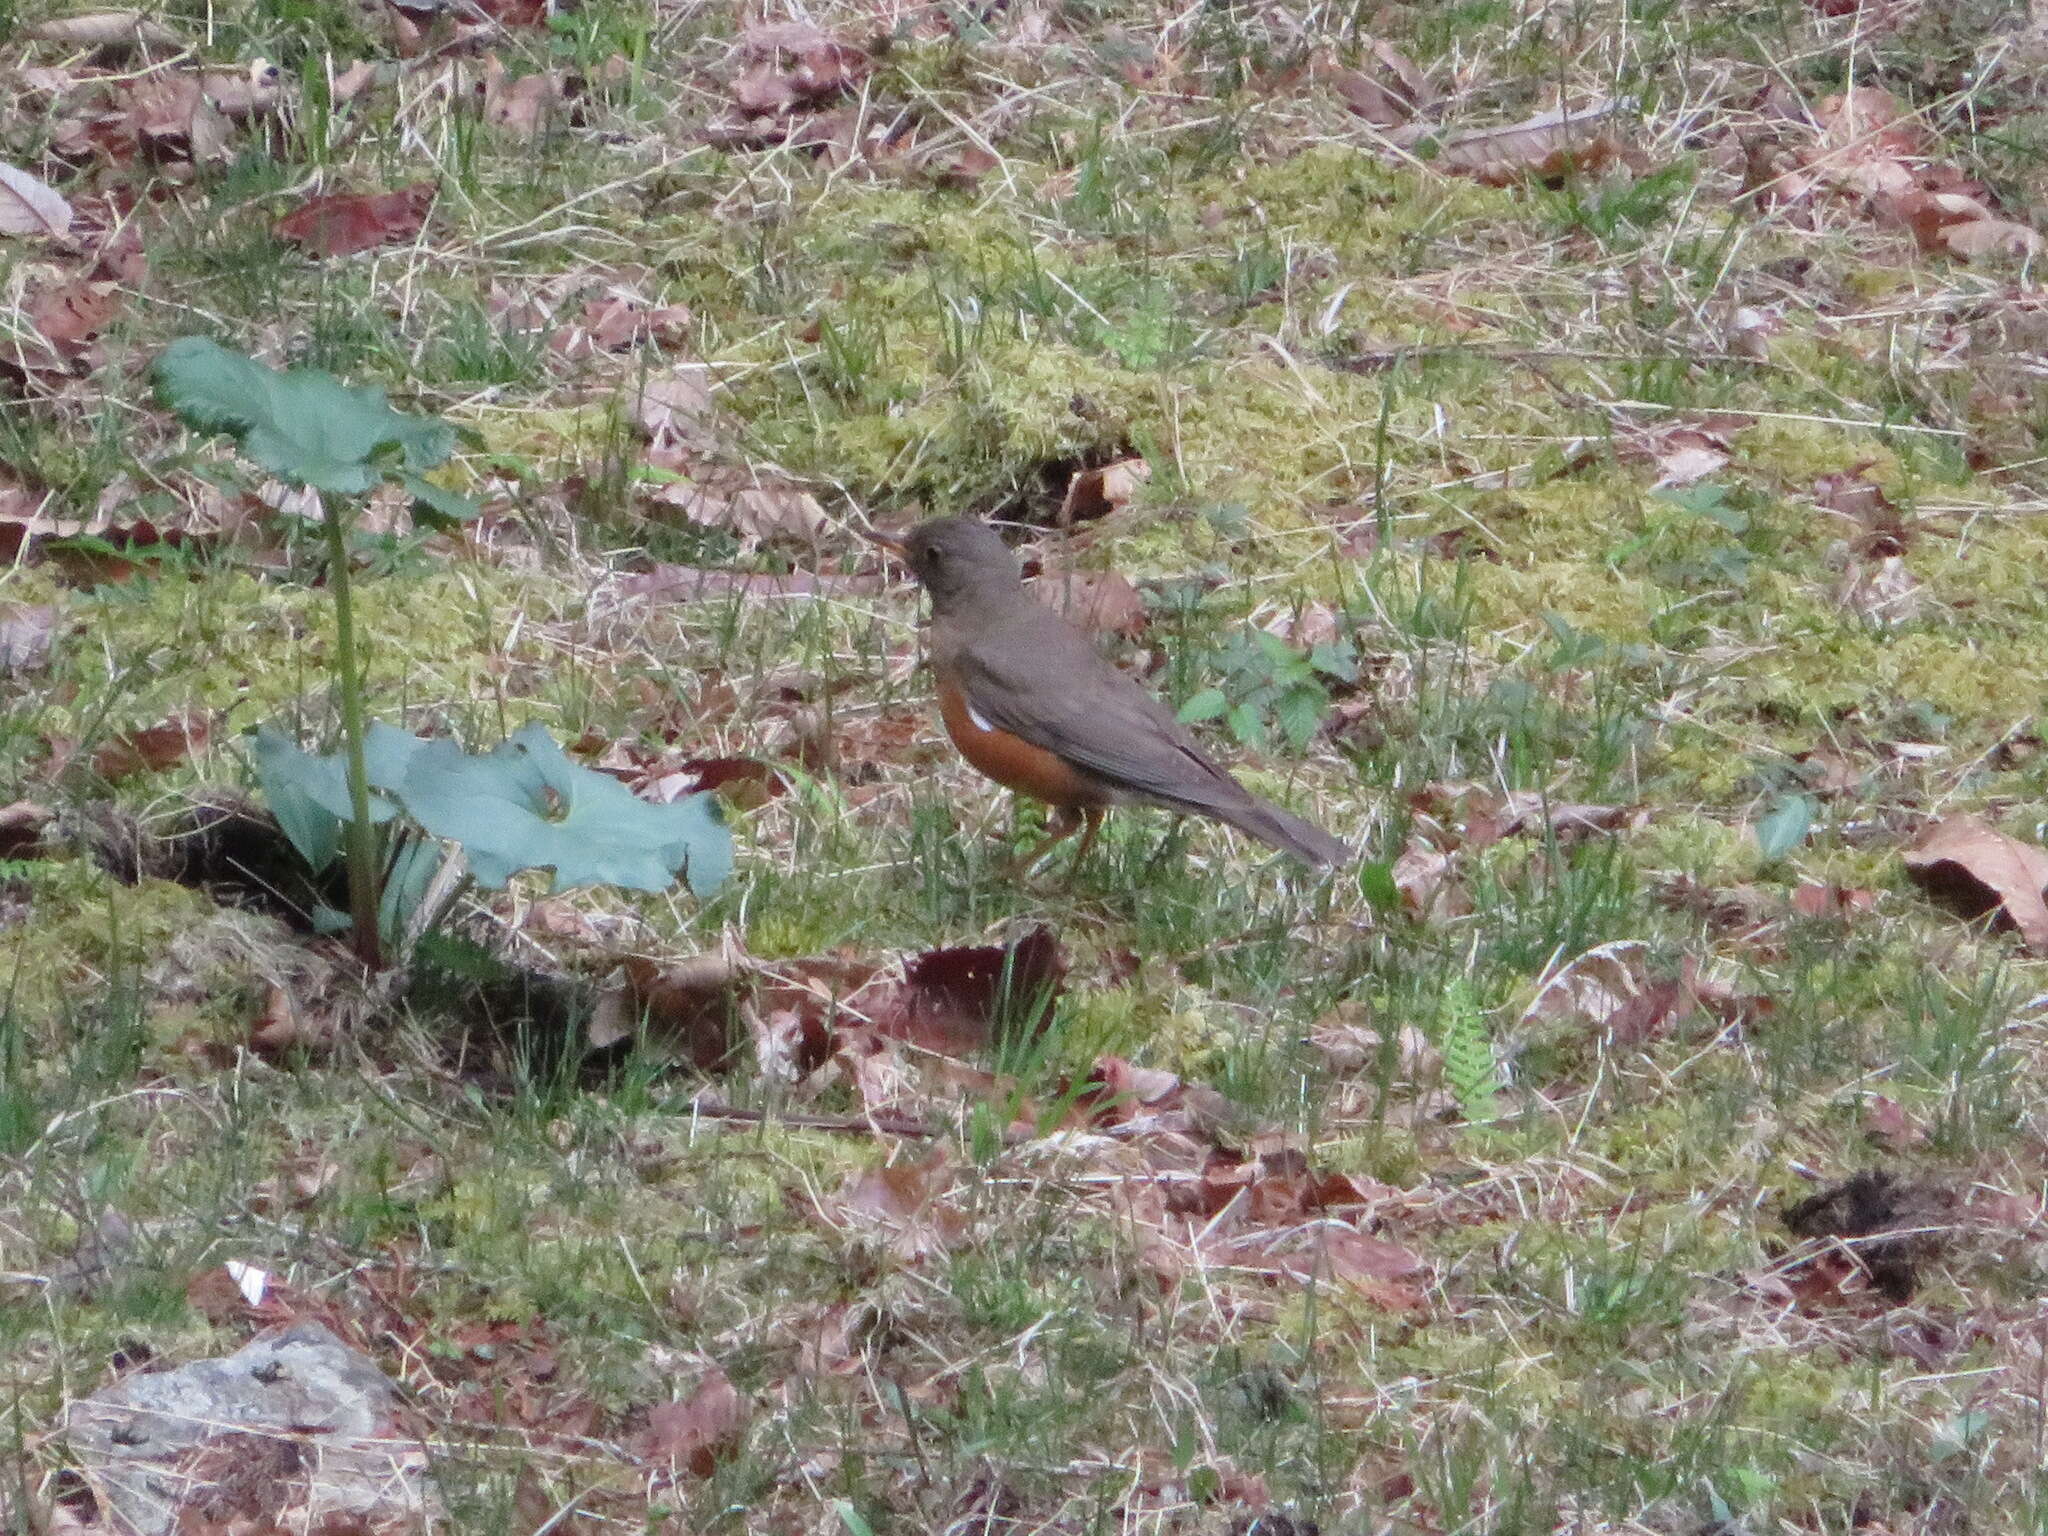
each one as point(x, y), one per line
point(1360, 383)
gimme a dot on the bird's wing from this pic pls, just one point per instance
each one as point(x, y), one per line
point(1042, 681)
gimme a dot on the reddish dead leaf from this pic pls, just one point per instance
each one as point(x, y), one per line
point(1093, 493)
point(695, 1433)
point(1955, 224)
point(1978, 871)
point(1812, 900)
point(1886, 1122)
point(344, 223)
point(1100, 602)
point(21, 828)
point(954, 1001)
point(688, 1008)
point(152, 749)
point(900, 1202)
point(1422, 874)
point(617, 322)
point(1547, 147)
point(170, 119)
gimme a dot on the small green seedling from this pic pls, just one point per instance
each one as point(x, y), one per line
point(1268, 683)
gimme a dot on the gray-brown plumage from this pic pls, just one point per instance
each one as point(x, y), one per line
point(1032, 704)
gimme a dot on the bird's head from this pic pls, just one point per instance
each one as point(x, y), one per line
point(959, 560)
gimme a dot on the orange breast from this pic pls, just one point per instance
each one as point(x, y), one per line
point(1010, 760)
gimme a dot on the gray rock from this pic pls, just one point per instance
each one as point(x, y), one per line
point(295, 1425)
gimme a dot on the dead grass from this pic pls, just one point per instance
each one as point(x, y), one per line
point(1444, 1195)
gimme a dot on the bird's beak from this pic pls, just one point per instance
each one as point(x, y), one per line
point(887, 541)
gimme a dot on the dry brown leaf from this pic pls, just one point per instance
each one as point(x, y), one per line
point(1977, 870)
point(953, 1001)
point(1548, 146)
point(107, 30)
point(695, 1433)
point(1096, 493)
point(344, 223)
point(153, 749)
point(521, 107)
point(1687, 455)
point(21, 828)
point(31, 207)
point(1101, 602)
point(1956, 224)
point(900, 1202)
point(25, 632)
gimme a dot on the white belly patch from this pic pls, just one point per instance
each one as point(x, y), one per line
point(979, 723)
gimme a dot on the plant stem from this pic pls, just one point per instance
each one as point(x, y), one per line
point(359, 837)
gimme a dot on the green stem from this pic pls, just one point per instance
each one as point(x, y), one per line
point(360, 838)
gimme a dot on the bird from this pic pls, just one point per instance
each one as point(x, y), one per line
point(1032, 704)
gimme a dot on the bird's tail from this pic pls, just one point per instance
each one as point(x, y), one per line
point(1289, 833)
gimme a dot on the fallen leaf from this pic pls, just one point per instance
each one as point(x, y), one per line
point(954, 1001)
point(1955, 224)
point(689, 1008)
point(1979, 871)
point(1688, 455)
point(697, 1432)
point(1548, 147)
point(901, 1200)
point(25, 632)
point(1886, 1122)
point(31, 207)
point(152, 749)
point(344, 223)
point(1094, 493)
point(106, 30)
point(21, 828)
point(1100, 602)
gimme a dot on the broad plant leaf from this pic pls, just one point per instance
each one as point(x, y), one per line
point(304, 426)
point(309, 795)
point(524, 805)
point(437, 506)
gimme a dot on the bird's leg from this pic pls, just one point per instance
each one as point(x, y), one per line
point(1062, 824)
point(1093, 816)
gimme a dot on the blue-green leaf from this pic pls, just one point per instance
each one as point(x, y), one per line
point(1206, 705)
point(1787, 825)
point(304, 426)
point(524, 805)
